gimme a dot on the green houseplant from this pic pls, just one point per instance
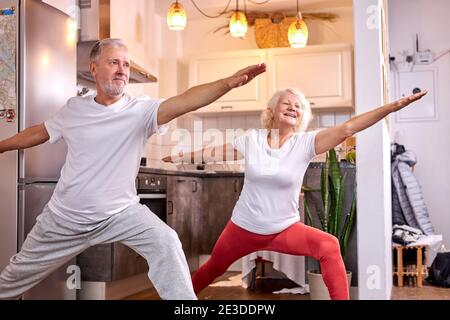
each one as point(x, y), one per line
point(330, 212)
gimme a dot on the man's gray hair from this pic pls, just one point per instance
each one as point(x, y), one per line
point(102, 44)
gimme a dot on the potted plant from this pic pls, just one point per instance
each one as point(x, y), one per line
point(331, 216)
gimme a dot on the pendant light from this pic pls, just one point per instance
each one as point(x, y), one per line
point(298, 32)
point(176, 17)
point(238, 23)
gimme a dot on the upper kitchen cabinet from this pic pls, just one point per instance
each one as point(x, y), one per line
point(69, 7)
point(212, 67)
point(323, 73)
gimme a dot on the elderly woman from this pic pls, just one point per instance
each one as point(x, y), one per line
point(266, 215)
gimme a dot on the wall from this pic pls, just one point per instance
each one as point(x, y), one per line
point(142, 36)
point(373, 159)
point(134, 21)
point(144, 40)
point(155, 48)
point(428, 139)
point(170, 54)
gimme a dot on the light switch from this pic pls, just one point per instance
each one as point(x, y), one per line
point(414, 82)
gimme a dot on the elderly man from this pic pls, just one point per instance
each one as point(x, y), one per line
point(95, 200)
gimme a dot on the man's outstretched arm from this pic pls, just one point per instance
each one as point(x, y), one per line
point(28, 138)
point(202, 95)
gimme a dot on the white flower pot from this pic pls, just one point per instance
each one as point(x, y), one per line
point(318, 289)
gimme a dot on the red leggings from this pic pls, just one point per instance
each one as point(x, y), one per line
point(298, 239)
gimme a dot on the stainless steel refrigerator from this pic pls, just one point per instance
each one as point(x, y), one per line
point(45, 77)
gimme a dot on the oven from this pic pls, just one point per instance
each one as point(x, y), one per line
point(152, 192)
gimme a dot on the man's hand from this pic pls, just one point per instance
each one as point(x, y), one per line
point(246, 75)
point(401, 103)
point(205, 94)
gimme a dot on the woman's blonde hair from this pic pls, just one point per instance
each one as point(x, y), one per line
point(302, 125)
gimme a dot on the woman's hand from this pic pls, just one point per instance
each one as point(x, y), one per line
point(167, 159)
point(401, 103)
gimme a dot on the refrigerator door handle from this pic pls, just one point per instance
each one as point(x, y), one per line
point(21, 217)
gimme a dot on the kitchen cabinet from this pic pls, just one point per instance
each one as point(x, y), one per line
point(110, 262)
point(324, 73)
point(212, 67)
point(219, 200)
point(184, 201)
point(198, 209)
point(69, 7)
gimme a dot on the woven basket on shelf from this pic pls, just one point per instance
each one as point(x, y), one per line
point(272, 32)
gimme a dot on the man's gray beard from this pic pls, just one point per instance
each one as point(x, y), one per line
point(113, 90)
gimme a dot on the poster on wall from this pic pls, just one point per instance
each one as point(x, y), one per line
point(8, 29)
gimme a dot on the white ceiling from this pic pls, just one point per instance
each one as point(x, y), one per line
point(213, 7)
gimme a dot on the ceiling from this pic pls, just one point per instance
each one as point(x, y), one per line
point(213, 7)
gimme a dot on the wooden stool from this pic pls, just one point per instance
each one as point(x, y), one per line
point(418, 270)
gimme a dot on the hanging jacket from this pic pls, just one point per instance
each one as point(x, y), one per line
point(408, 204)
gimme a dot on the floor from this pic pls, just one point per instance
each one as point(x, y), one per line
point(427, 292)
point(228, 287)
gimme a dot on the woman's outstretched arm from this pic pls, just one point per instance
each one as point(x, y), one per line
point(329, 138)
point(207, 155)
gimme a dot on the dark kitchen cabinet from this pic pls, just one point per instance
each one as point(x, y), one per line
point(219, 199)
point(184, 202)
point(110, 262)
point(198, 210)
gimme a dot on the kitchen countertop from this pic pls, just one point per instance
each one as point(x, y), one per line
point(342, 164)
point(192, 173)
point(220, 174)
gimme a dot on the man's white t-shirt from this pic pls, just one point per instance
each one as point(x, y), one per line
point(105, 145)
point(269, 201)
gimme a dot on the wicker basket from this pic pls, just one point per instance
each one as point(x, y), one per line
point(272, 32)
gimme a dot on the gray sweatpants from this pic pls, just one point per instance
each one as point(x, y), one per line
point(53, 241)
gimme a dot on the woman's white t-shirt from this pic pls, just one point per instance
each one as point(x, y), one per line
point(105, 145)
point(269, 201)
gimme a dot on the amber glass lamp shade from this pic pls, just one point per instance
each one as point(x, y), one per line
point(238, 24)
point(176, 17)
point(298, 33)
